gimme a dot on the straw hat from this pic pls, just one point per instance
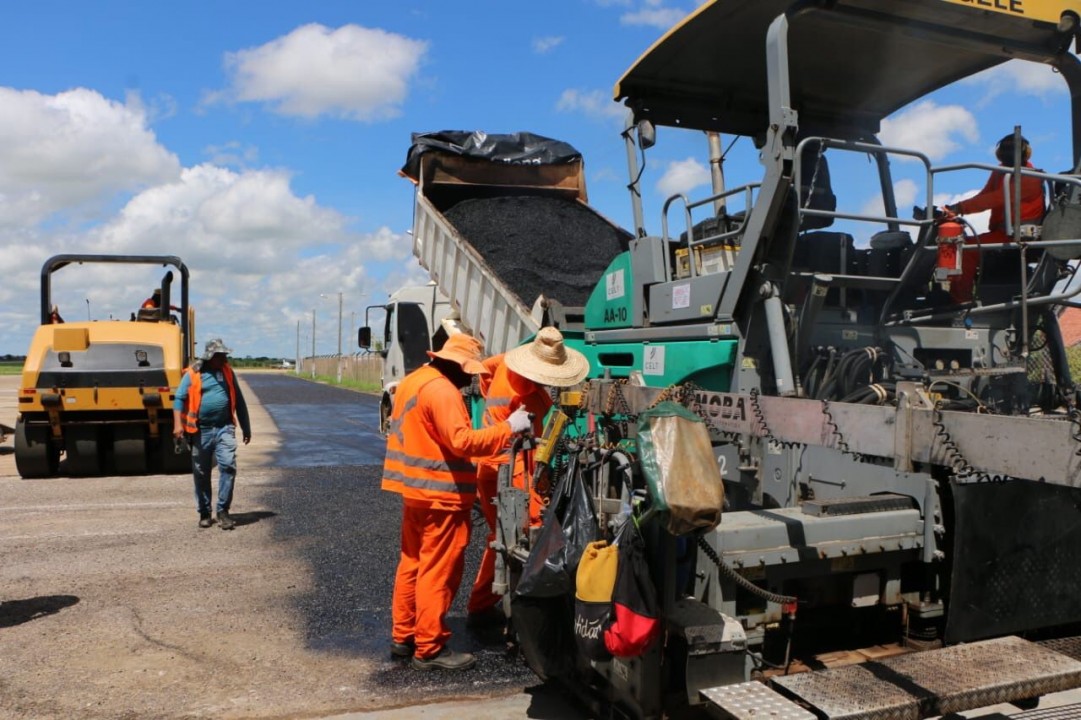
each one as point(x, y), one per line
point(547, 361)
point(463, 349)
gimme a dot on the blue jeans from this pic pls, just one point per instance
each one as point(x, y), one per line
point(214, 445)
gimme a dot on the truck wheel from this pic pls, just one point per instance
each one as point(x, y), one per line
point(35, 456)
point(129, 450)
point(81, 446)
point(384, 418)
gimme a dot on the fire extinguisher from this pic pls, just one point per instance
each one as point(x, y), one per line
point(950, 239)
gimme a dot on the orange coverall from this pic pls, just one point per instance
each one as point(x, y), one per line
point(991, 198)
point(429, 447)
point(504, 392)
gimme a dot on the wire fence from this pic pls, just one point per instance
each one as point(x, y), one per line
point(355, 369)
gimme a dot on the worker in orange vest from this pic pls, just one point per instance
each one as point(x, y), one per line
point(428, 461)
point(520, 379)
point(206, 407)
point(993, 197)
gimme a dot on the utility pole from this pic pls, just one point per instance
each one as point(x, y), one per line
point(339, 338)
point(296, 357)
point(313, 343)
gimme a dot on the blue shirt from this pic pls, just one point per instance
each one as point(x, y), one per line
point(214, 406)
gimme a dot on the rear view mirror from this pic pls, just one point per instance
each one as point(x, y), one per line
point(364, 338)
point(647, 134)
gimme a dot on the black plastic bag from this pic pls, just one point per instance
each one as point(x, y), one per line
point(570, 524)
point(521, 148)
point(544, 629)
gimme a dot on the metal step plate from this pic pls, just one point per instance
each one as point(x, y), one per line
point(752, 701)
point(1068, 646)
point(1063, 712)
point(857, 505)
point(936, 682)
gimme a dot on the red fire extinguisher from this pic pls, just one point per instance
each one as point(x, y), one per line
point(950, 239)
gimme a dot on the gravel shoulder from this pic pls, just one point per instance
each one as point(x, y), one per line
point(114, 605)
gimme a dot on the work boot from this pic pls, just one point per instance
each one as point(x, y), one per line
point(224, 521)
point(445, 659)
point(489, 617)
point(402, 649)
point(205, 520)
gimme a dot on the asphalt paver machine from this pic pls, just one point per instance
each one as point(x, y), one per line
point(901, 530)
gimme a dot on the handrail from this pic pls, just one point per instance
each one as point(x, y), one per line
point(692, 243)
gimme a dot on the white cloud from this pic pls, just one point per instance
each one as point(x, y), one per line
point(658, 17)
point(930, 127)
point(543, 45)
point(353, 72)
point(682, 176)
point(1019, 77)
point(594, 104)
point(904, 194)
point(71, 150)
point(83, 174)
point(250, 221)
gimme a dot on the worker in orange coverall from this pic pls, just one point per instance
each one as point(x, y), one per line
point(428, 461)
point(519, 380)
point(992, 197)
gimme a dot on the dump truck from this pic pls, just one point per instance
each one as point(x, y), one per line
point(96, 397)
point(898, 535)
point(498, 221)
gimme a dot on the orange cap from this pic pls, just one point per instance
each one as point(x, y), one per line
point(464, 350)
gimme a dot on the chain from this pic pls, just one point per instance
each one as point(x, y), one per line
point(672, 391)
point(760, 417)
point(1074, 416)
point(956, 459)
point(836, 432)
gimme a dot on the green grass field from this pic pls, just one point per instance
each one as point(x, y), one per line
point(10, 368)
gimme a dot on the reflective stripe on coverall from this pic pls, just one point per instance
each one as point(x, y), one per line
point(504, 392)
point(427, 462)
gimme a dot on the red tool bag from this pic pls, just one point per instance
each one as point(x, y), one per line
point(635, 619)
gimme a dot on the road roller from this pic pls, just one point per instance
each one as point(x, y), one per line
point(96, 397)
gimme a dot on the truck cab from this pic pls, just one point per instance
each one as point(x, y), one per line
point(413, 325)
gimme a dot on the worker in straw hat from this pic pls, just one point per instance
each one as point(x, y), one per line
point(428, 462)
point(520, 379)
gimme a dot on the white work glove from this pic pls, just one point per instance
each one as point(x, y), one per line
point(519, 421)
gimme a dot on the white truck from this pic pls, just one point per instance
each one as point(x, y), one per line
point(414, 323)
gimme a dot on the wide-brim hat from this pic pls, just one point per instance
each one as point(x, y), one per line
point(547, 361)
point(214, 347)
point(465, 350)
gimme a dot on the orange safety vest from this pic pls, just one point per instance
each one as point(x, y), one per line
point(195, 397)
point(504, 393)
point(431, 441)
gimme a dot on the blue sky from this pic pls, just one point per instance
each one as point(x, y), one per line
point(260, 142)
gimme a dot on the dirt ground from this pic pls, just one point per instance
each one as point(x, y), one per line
point(113, 604)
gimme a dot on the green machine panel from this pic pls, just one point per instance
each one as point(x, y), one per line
point(706, 363)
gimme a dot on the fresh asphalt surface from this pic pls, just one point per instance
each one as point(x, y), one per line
point(332, 454)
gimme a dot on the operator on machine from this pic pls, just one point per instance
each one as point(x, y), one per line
point(992, 197)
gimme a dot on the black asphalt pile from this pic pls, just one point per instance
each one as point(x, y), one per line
point(540, 245)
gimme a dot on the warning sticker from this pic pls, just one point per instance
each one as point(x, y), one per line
point(653, 360)
point(681, 296)
point(613, 285)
